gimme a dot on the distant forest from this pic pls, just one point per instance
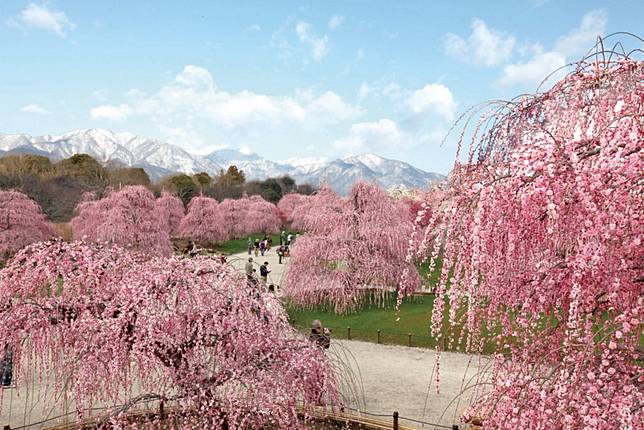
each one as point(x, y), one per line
point(58, 186)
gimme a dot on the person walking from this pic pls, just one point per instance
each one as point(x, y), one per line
point(289, 238)
point(280, 253)
point(249, 266)
point(256, 247)
point(263, 272)
point(269, 243)
point(262, 247)
point(249, 245)
point(283, 238)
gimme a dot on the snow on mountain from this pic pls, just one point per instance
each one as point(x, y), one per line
point(340, 174)
point(156, 157)
point(160, 159)
point(254, 166)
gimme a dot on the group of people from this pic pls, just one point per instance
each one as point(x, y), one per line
point(251, 274)
point(260, 247)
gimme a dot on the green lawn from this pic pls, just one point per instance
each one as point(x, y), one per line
point(236, 246)
point(415, 317)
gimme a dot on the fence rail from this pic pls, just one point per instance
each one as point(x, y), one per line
point(379, 336)
point(343, 415)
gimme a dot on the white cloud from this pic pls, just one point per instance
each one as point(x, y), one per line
point(580, 39)
point(254, 27)
point(532, 72)
point(35, 109)
point(433, 98)
point(484, 46)
point(383, 134)
point(363, 91)
point(392, 90)
point(331, 104)
point(319, 45)
point(335, 22)
point(111, 112)
point(193, 98)
point(41, 17)
point(378, 89)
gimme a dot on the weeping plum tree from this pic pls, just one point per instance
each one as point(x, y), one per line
point(541, 235)
point(128, 217)
point(233, 213)
point(352, 247)
point(289, 204)
point(203, 221)
point(118, 330)
point(261, 215)
point(170, 209)
point(317, 211)
point(21, 222)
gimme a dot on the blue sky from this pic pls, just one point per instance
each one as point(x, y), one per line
point(285, 79)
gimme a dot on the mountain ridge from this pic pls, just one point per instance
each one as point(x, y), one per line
point(159, 159)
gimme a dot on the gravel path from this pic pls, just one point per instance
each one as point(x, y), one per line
point(391, 378)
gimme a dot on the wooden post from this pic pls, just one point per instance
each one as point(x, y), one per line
point(378, 336)
point(349, 333)
point(161, 412)
point(6, 427)
point(408, 339)
point(395, 420)
point(454, 426)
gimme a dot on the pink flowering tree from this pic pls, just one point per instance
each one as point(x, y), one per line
point(541, 239)
point(127, 217)
point(170, 209)
point(317, 210)
point(21, 222)
point(119, 331)
point(353, 249)
point(261, 216)
point(288, 206)
point(233, 213)
point(203, 222)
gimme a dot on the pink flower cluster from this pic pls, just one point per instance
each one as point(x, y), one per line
point(130, 217)
point(354, 249)
point(117, 330)
point(541, 235)
point(21, 222)
point(209, 221)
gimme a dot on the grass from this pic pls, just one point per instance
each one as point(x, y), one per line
point(236, 246)
point(415, 317)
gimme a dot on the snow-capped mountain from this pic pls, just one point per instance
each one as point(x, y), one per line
point(160, 159)
point(254, 166)
point(339, 174)
point(157, 158)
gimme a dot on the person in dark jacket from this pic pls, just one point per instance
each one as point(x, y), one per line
point(263, 272)
point(320, 335)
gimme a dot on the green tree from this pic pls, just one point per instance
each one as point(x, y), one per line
point(202, 179)
point(181, 185)
point(85, 168)
point(124, 176)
